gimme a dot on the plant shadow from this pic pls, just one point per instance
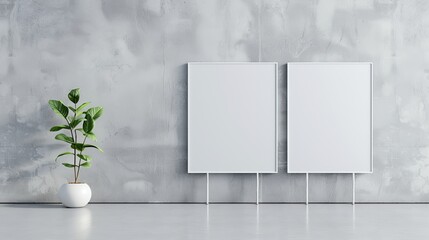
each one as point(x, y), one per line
point(33, 205)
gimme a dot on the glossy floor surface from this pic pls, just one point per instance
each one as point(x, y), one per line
point(217, 221)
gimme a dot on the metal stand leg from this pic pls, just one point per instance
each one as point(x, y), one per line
point(354, 188)
point(306, 188)
point(208, 189)
point(257, 188)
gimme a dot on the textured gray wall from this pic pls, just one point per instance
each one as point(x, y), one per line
point(130, 57)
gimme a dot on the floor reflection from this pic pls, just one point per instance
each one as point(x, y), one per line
point(79, 221)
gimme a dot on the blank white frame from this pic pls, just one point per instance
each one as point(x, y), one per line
point(320, 96)
point(254, 141)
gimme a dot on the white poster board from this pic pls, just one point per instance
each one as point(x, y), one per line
point(329, 117)
point(232, 117)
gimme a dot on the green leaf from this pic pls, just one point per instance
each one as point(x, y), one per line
point(86, 164)
point(69, 165)
point(81, 147)
point(74, 95)
point(72, 108)
point(95, 112)
point(64, 138)
point(59, 127)
point(59, 108)
point(91, 136)
point(75, 122)
point(79, 110)
point(88, 125)
point(84, 157)
point(93, 146)
point(88, 135)
point(77, 146)
point(62, 154)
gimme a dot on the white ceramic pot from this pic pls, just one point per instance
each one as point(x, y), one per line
point(75, 195)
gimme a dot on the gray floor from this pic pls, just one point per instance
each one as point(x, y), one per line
point(217, 221)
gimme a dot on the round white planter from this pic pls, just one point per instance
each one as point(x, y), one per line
point(75, 195)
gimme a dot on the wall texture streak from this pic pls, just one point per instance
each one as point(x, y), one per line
point(130, 57)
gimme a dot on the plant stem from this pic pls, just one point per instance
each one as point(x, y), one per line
point(76, 175)
point(78, 168)
point(74, 154)
point(74, 150)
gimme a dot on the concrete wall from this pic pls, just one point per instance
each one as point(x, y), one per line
point(130, 57)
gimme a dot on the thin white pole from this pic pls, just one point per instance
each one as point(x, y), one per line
point(306, 188)
point(354, 187)
point(208, 189)
point(257, 188)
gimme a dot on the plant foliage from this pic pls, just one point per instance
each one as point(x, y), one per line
point(79, 121)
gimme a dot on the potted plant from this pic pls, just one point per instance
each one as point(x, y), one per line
point(78, 128)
